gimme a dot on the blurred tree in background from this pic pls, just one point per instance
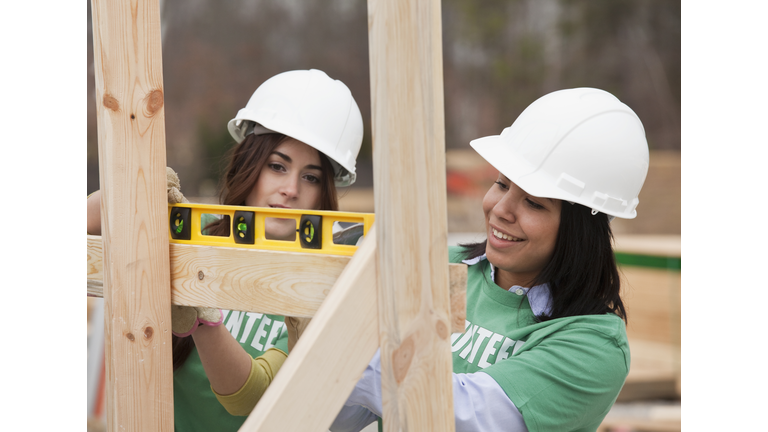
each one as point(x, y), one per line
point(498, 56)
point(501, 55)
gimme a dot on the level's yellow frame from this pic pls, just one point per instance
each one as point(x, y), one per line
point(261, 214)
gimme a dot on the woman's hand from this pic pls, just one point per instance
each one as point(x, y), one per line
point(296, 327)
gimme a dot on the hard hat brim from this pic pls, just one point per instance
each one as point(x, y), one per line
point(497, 152)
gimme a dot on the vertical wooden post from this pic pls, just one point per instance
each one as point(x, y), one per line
point(131, 125)
point(405, 45)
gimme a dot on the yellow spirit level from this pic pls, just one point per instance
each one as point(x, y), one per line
point(327, 232)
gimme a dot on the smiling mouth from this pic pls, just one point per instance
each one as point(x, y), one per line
point(503, 236)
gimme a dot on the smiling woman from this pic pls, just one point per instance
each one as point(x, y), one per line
point(545, 345)
point(521, 231)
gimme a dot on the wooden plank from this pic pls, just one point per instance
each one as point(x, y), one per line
point(651, 361)
point(652, 299)
point(644, 416)
point(131, 130)
point(95, 266)
point(281, 283)
point(653, 372)
point(329, 358)
point(646, 244)
point(405, 46)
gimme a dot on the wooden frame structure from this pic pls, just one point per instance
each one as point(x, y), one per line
point(393, 293)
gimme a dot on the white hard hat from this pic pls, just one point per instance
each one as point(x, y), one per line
point(581, 145)
point(309, 106)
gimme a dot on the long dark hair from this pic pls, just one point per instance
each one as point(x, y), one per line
point(582, 274)
point(245, 163)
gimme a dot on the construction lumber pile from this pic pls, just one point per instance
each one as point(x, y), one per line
point(650, 271)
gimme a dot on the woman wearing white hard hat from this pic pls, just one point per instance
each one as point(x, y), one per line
point(297, 140)
point(545, 346)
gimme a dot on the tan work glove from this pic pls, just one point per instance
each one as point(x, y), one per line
point(173, 187)
point(296, 327)
point(185, 319)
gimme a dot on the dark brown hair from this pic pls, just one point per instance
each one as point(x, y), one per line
point(246, 161)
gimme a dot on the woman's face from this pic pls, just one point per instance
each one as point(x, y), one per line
point(289, 179)
point(521, 230)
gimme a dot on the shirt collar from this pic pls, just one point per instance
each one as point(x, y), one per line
point(539, 296)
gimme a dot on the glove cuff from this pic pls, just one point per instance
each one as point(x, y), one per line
point(208, 319)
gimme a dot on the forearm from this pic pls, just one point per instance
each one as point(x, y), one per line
point(263, 370)
point(93, 213)
point(226, 363)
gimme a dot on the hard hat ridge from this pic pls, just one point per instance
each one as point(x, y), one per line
point(580, 145)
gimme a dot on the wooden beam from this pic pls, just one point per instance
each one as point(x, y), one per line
point(281, 283)
point(95, 266)
point(649, 415)
point(652, 299)
point(329, 358)
point(131, 130)
point(405, 46)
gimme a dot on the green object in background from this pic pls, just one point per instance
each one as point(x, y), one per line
point(637, 260)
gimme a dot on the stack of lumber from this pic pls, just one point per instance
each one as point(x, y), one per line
point(651, 416)
point(650, 272)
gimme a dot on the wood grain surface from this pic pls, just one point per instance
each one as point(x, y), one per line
point(281, 283)
point(131, 132)
point(330, 356)
point(405, 51)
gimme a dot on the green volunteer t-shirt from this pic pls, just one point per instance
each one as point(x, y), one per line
point(195, 406)
point(563, 374)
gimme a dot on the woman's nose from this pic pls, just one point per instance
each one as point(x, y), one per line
point(506, 208)
point(290, 187)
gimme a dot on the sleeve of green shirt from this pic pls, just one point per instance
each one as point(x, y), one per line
point(568, 380)
point(263, 371)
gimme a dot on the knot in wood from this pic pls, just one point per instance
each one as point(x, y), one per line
point(110, 102)
point(154, 102)
point(401, 359)
point(148, 333)
point(130, 337)
point(200, 275)
point(442, 329)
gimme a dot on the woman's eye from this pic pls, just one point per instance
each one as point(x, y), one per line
point(312, 178)
point(534, 204)
point(276, 166)
point(501, 185)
